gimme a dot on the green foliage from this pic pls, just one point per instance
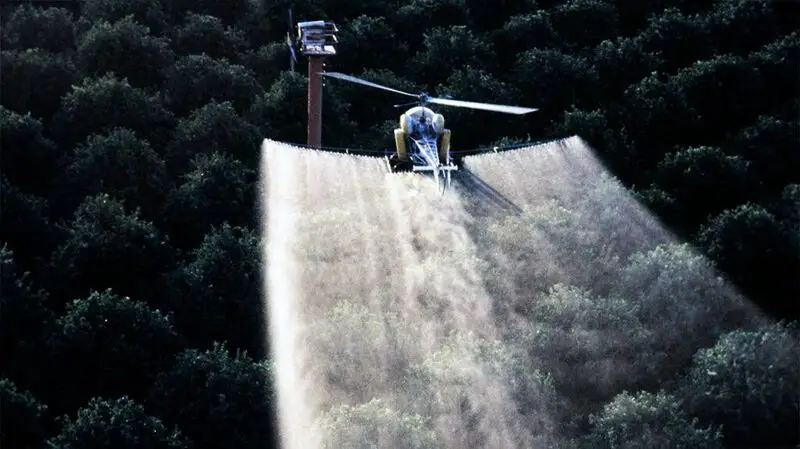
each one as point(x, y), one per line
point(648, 420)
point(520, 30)
point(120, 164)
point(26, 323)
point(119, 423)
point(104, 335)
point(768, 140)
point(213, 127)
point(100, 104)
point(446, 48)
point(34, 157)
point(377, 424)
point(705, 181)
point(149, 13)
point(554, 78)
point(217, 399)
point(741, 26)
point(49, 29)
point(219, 294)
point(216, 189)
point(34, 80)
point(195, 80)
point(105, 246)
point(126, 49)
point(681, 299)
point(678, 38)
point(594, 346)
point(770, 252)
point(207, 34)
point(228, 11)
point(25, 226)
point(622, 62)
point(585, 23)
point(370, 42)
point(24, 415)
point(747, 382)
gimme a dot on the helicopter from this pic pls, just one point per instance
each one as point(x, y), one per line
point(422, 143)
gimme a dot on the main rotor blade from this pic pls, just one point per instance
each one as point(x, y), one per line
point(353, 79)
point(485, 106)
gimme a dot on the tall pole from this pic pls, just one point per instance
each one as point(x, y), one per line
point(317, 39)
point(314, 101)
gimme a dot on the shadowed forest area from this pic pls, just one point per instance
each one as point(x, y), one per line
point(132, 287)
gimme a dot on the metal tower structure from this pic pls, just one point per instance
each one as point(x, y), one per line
point(317, 40)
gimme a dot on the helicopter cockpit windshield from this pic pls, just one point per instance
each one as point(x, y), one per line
point(423, 130)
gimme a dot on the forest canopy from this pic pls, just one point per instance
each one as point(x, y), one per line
point(130, 144)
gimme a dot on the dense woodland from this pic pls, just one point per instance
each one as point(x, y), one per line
point(132, 295)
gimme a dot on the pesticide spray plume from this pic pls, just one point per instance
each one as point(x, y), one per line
point(536, 289)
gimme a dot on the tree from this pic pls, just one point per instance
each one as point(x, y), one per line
point(678, 38)
point(195, 80)
point(127, 49)
point(376, 424)
point(370, 42)
point(749, 244)
point(741, 26)
point(30, 26)
point(149, 13)
point(93, 107)
point(22, 418)
point(705, 181)
point(25, 227)
point(34, 157)
point(480, 391)
point(213, 127)
point(717, 90)
point(519, 31)
point(682, 299)
point(649, 420)
point(105, 246)
point(118, 163)
point(594, 346)
point(120, 423)
point(228, 12)
point(764, 143)
point(204, 34)
point(747, 382)
point(774, 62)
point(267, 62)
point(34, 80)
point(107, 345)
point(26, 325)
point(585, 23)
point(217, 399)
point(219, 294)
point(554, 80)
point(621, 63)
point(445, 48)
point(217, 189)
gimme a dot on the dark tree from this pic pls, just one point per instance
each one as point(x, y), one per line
point(100, 104)
point(34, 81)
point(213, 127)
point(127, 49)
point(30, 26)
point(207, 34)
point(118, 423)
point(217, 189)
point(195, 80)
point(217, 399)
point(108, 346)
point(149, 13)
point(106, 246)
point(22, 418)
point(33, 157)
point(118, 163)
